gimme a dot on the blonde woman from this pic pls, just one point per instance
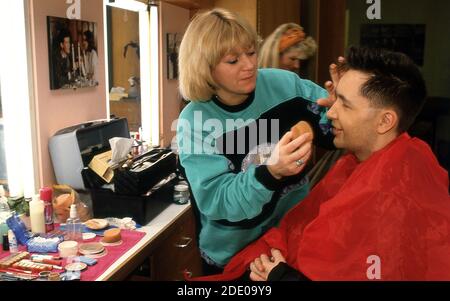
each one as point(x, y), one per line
point(285, 47)
point(242, 176)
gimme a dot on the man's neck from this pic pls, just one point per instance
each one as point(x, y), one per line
point(381, 142)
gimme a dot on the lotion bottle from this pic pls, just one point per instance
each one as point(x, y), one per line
point(37, 215)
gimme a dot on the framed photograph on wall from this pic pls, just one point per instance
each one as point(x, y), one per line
point(73, 56)
point(173, 45)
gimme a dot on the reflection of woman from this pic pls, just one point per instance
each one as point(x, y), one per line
point(285, 47)
point(91, 57)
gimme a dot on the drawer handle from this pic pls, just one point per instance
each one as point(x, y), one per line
point(187, 242)
point(187, 274)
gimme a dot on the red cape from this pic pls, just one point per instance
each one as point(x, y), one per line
point(394, 205)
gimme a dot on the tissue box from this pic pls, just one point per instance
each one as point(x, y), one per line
point(100, 165)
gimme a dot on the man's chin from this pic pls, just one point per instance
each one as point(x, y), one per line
point(338, 143)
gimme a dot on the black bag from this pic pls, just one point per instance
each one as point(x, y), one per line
point(138, 176)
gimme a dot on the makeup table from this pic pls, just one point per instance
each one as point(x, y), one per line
point(167, 251)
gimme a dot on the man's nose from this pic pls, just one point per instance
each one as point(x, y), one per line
point(331, 113)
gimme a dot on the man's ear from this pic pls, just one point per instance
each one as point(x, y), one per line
point(388, 121)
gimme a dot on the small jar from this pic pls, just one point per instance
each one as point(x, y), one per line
point(53, 276)
point(181, 194)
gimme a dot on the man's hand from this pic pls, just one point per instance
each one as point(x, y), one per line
point(335, 75)
point(261, 266)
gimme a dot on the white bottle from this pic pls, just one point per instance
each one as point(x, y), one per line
point(73, 225)
point(37, 215)
point(12, 242)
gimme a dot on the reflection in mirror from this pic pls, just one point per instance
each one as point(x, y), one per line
point(124, 65)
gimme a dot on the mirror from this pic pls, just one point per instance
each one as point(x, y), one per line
point(132, 37)
point(124, 65)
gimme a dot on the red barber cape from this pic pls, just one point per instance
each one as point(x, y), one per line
point(394, 207)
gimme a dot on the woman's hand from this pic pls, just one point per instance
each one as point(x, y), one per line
point(261, 266)
point(289, 156)
point(335, 75)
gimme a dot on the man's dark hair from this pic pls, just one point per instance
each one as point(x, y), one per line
point(395, 81)
point(64, 33)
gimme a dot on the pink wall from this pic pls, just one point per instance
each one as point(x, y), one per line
point(61, 108)
point(57, 109)
point(174, 19)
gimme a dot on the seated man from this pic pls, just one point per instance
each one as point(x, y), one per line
point(383, 211)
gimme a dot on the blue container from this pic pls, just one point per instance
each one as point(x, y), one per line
point(18, 227)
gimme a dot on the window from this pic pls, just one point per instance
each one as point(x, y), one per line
point(16, 131)
point(3, 174)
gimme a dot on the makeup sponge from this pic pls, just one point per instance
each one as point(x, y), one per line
point(301, 128)
point(112, 235)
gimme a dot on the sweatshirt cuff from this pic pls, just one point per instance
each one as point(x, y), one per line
point(264, 176)
point(284, 272)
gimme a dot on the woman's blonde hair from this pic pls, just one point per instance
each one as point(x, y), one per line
point(269, 55)
point(209, 37)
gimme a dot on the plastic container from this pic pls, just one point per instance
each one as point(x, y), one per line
point(181, 194)
point(13, 248)
point(5, 242)
point(18, 227)
point(73, 225)
point(68, 248)
point(37, 216)
point(4, 230)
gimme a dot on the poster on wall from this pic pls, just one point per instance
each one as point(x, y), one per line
point(73, 56)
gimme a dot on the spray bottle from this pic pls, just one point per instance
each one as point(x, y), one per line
point(73, 225)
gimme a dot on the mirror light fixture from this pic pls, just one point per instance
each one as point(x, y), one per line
point(128, 5)
point(149, 64)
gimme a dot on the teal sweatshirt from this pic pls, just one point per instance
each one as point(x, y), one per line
point(222, 150)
